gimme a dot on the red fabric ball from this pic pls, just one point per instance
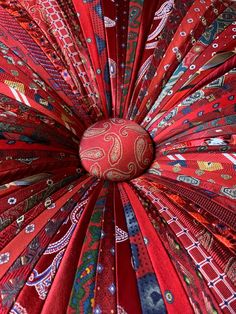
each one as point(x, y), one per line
point(116, 149)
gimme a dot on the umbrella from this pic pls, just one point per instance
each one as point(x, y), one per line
point(117, 156)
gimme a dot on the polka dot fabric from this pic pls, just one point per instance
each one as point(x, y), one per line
point(117, 156)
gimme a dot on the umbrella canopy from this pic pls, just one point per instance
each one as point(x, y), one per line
point(117, 156)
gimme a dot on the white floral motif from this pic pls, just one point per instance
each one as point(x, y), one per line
point(4, 258)
point(29, 228)
point(11, 200)
point(49, 182)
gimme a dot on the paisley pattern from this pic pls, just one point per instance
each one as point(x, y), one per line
point(117, 156)
point(96, 131)
point(125, 150)
point(116, 151)
point(93, 154)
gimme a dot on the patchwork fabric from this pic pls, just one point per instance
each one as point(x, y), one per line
point(117, 156)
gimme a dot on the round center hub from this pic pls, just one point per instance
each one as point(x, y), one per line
point(116, 149)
